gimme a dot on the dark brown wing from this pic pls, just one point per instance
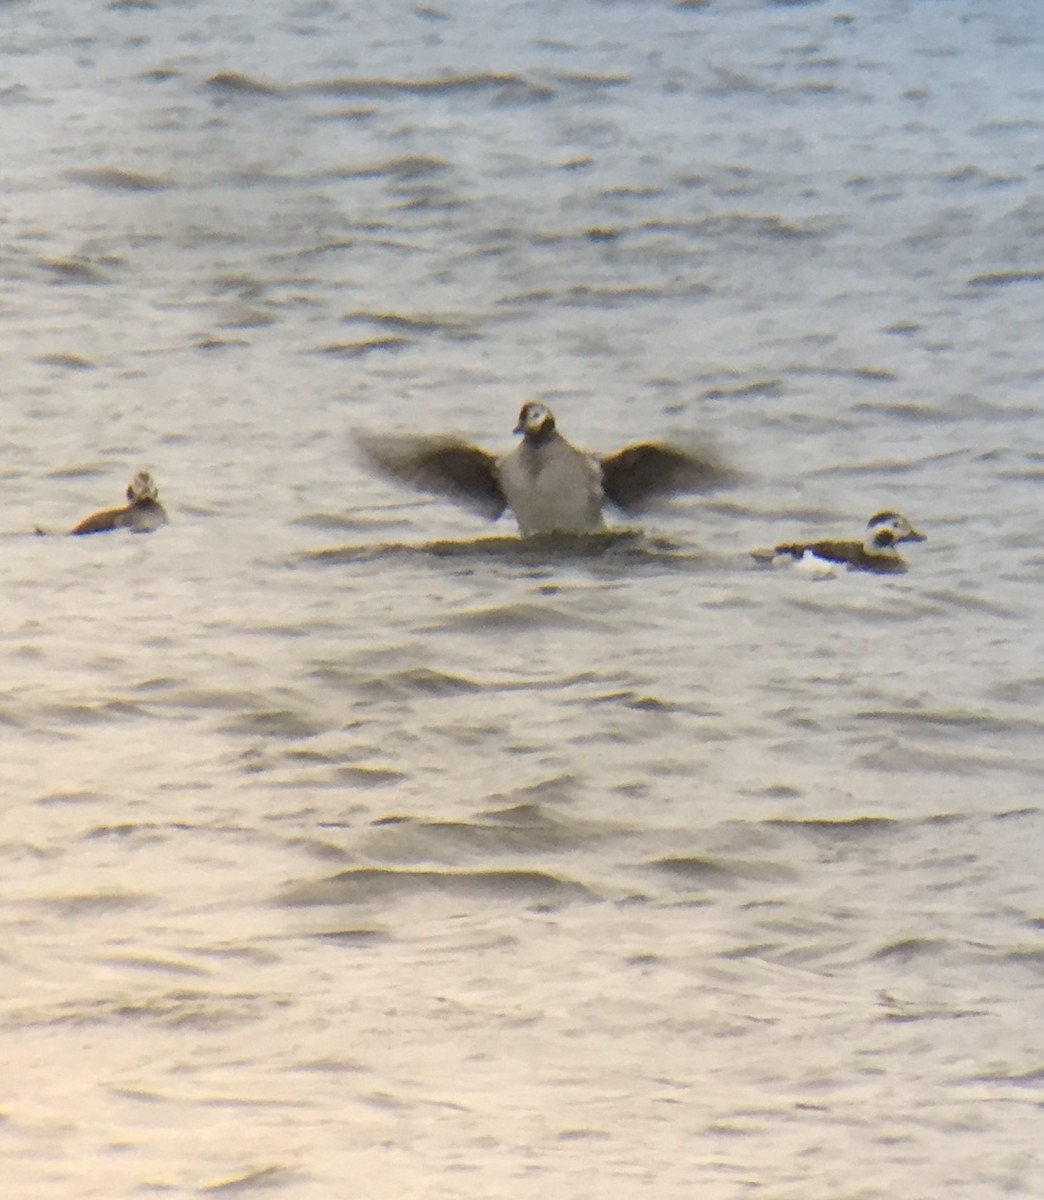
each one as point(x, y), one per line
point(852, 553)
point(839, 552)
point(636, 477)
point(439, 465)
point(102, 522)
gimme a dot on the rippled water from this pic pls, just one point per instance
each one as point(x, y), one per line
point(354, 847)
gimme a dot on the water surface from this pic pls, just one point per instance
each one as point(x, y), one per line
point(348, 838)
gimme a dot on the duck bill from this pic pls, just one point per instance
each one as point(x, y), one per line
point(915, 535)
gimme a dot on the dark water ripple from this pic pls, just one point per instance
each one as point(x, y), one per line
point(362, 885)
point(179, 1009)
point(944, 722)
point(407, 839)
point(505, 87)
point(710, 873)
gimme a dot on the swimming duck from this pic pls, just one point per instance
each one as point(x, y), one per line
point(549, 485)
point(142, 514)
point(876, 552)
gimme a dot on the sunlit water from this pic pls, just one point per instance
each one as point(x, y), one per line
point(353, 847)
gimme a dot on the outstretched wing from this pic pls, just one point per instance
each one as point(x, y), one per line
point(439, 465)
point(636, 477)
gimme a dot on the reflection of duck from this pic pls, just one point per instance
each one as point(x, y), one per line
point(876, 552)
point(142, 514)
point(550, 485)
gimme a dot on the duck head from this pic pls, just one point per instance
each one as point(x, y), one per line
point(535, 422)
point(141, 488)
point(886, 530)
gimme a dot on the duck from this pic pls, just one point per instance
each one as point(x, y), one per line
point(877, 552)
point(142, 513)
point(550, 485)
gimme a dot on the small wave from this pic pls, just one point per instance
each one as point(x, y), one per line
point(456, 329)
point(505, 87)
point(367, 346)
point(866, 374)
point(516, 618)
point(83, 471)
point(274, 1177)
point(719, 872)
point(414, 681)
point(247, 318)
point(644, 702)
point(61, 799)
point(758, 225)
point(902, 758)
point(150, 830)
point(1027, 475)
point(177, 1009)
point(1026, 958)
point(841, 830)
point(161, 966)
point(894, 466)
point(216, 343)
point(909, 412)
point(963, 722)
point(116, 179)
point(89, 903)
point(90, 714)
point(589, 81)
point(975, 604)
point(525, 803)
point(409, 840)
point(583, 295)
point(1021, 691)
point(71, 270)
point(172, 694)
point(234, 83)
point(160, 74)
point(388, 684)
point(727, 82)
point(759, 387)
point(408, 167)
point(795, 513)
point(338, 522)
point(369, 777)
point(878, 608)
point(905, 1014)
point(779, 791)
point(18, 94)
point(362, 884)
point(910, 949)
point(352, 937)
point(1033, 1078)
point(1005, 278)
point(277, 723)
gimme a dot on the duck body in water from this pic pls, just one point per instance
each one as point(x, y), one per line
point(551, 486)
point(877, 552)
point(142, 513)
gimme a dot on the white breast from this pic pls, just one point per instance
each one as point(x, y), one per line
point(818, 568)
point(552, 488)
